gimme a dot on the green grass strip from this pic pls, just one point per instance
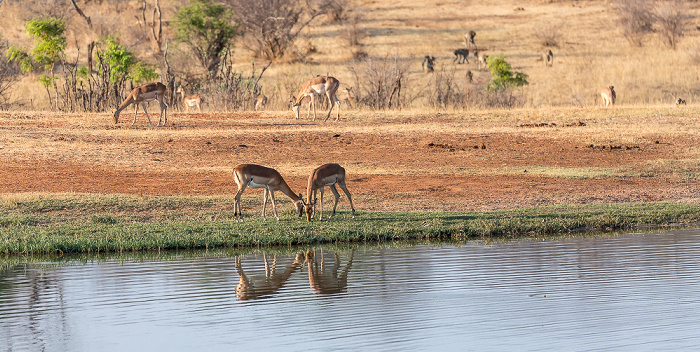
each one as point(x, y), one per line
point(97, 224)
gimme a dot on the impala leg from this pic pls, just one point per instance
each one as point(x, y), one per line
point(145, 108)
point(313, 103)
point(332, 100)
point(308, 107)
point(314, 205)
point(237, 203)
point(320, 216)
point(274, 204)
point(136, 111)
point(347, 193)
point(265, 195)
point(163, 113)
point(337, 196)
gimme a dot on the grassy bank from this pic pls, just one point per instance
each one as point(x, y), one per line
point(109, 223)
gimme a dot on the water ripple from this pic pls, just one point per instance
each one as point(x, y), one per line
point(629, 292)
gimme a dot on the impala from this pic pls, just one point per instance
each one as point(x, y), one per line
point(141, 95)
point(609, 96)
point(256, 176)
point(260, 102)
point(191, 100)
point(327, 175)
point(317, 86)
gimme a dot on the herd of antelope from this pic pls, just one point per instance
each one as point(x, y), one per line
point(256, 176)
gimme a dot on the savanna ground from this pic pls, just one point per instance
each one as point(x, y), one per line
point(559, 148)
point(466, 160)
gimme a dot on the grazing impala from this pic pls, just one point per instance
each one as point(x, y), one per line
point(191, 100)
point(256, 176)
point(317, 86)
point(141, 95)
point(326, 176)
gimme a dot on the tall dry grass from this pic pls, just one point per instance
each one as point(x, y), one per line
point(591, 50)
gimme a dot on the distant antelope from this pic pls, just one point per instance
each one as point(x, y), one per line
point(316, 86)
point(608, 95)
point(461, 55)
point(141, 95)
point(349, 96)
point(428, 64)
point(260, 102)
point(191, 100)
point(680, 102)
point(481, 60)
point(548, 58)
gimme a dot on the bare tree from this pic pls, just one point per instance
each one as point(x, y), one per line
point(273, 25)
point(379, 82)
point(672, 17)
point(636, 18)
point(8, 77)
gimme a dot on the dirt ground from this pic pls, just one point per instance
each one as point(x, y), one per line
point(398, 163)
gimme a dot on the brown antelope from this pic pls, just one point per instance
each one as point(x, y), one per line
point(608, 95)
point(191, 100)
point(316, 86)
point(480, 60)
point(254, 287)
point(327, 281)
point(141, 95)
point(260, 102)
point(349, 97)
point(325, 176)
point(256, 176)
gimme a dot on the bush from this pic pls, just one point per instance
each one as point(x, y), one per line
point(379, 82)
point(503, 78)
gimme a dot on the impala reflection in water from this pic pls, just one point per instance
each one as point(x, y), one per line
point(618, 292)
point(325, 277)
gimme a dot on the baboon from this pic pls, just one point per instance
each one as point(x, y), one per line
point(481, 60)
point(608, 95)
point(469, 39)
point(461, 55)
point(428, 63)
point(470, 77)
point(680, 102)
point(548, 58)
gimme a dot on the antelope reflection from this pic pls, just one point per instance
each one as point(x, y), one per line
point(327, 281)
point(255, 287)
point(324, 277)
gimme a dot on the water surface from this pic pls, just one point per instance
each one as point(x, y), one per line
point(625, 292)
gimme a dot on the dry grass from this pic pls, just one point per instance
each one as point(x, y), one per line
point(592, 52)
